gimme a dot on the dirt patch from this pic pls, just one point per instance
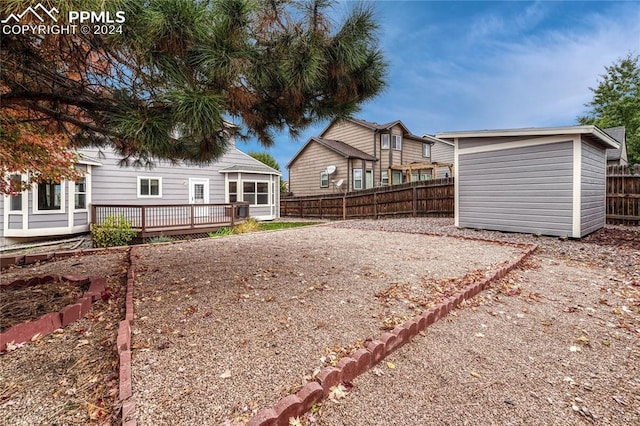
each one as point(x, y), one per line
point(71, 376)
point(22, 303)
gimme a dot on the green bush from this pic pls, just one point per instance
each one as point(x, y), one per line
point(160, 239)
point(113, 231)
point(221, 232)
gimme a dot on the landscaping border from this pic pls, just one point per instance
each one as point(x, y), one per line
point(125, 395)
point(363, 359)
point(52, 321)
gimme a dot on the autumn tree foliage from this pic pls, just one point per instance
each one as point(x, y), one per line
point(33, 152)
point(163, 88)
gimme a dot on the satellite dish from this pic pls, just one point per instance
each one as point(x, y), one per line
point(339, 183)
point(331, 169)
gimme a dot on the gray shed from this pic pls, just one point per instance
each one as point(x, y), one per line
point(549, 181)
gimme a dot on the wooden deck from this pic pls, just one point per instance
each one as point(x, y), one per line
point(173, 219)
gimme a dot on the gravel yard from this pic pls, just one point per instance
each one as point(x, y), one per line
point(226, 327)
point(240, 321)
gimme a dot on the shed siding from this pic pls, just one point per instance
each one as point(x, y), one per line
point(526, 189)
point(304, 173)
point(593, 189)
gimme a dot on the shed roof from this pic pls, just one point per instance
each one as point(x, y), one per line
point(339, 147)
point(593, 133)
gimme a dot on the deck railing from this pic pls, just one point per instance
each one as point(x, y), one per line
point(172, 217)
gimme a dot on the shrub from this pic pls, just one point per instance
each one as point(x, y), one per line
point(249, 225)
point(113, 231)
point(221, 232)
point(160, 239)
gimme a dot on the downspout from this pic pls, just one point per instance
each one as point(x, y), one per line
point(375, 155)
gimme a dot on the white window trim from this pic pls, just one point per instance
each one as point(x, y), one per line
point(34, 200)
point(324, 175)
point(226, 190)
point(23, 194)
point(240, 190)
point(354, 179)
point(398, 146)
point(86, 194)
point(384, 177)
point(426, 150)
point(384, 145)
point(139, 179)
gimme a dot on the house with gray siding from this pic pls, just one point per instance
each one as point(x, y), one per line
point(57, 209)
point(549, 181)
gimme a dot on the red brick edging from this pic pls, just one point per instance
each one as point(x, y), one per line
point(52, 321)
point(125, 396)
point(363, 359)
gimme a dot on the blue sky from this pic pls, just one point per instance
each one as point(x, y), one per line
point(470, 65)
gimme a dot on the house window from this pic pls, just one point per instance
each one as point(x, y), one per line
point(426, 150)
point(49, 196)
point(149, 187)
point(81, 194)
point(256, 192)
point(396, 142)
point(324, 180)
point(233, 192)
point(357, 179)
point(384, 178)
point(16, 200)
point(385, 140)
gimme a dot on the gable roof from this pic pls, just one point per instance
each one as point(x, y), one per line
point(339, 147)
point(619, 134)
point(594, 133)
point(376, 127)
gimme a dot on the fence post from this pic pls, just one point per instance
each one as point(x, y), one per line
point(344, 207)
point(320, 208)
point(233, 214)
point(143, 219)
point(375, 205)
point(93, 214)
point(415, 202)
point(192, 216)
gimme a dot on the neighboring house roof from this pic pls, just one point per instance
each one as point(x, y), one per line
point(339, 147)
point(594, 133)
point(618, 133)
point(434, 140)
point(377, 127)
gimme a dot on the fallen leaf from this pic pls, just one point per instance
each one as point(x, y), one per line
point(474, 374)
point(377, 372)
point(82, 343)
point(574, 348)
point(226, 375)
point(337, 392)
point(295, 421)
point(391, 365)
point(583, 340)
point(479, 335)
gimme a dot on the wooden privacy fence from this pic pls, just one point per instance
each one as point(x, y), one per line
point(433, 198)
point(623, 195)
